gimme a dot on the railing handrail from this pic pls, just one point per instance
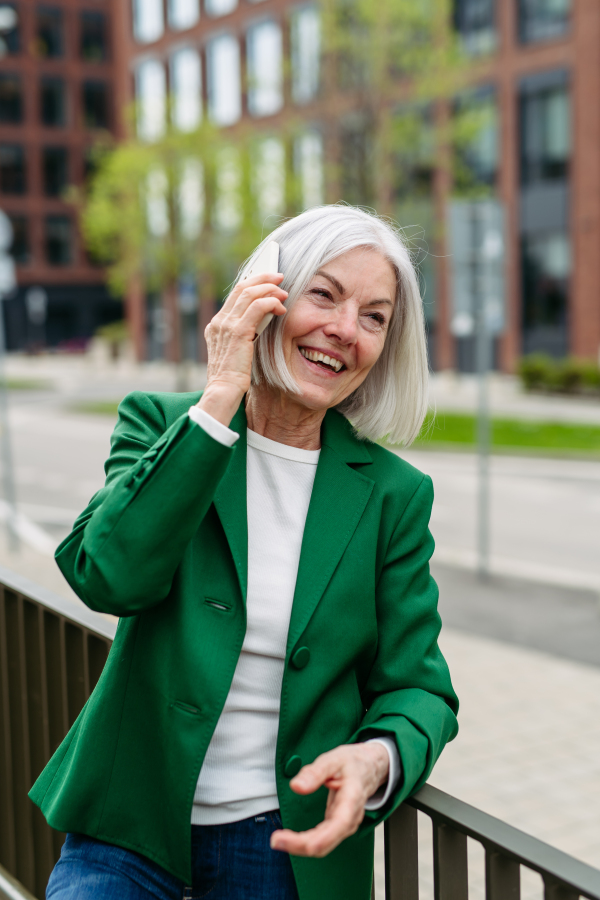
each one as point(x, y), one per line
point(11, 889)
point(80, 615)
point(495, 834)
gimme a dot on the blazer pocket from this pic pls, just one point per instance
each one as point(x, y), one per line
point(222, 605)
point(185, 707)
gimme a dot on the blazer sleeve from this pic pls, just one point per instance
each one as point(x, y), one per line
point(409, 694)
point(122, 553)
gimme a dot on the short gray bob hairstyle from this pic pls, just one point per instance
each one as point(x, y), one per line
point(392, 400)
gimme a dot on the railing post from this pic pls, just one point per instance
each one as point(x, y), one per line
point(502, 877)
point(402, 855)
point(553, 890)
point(450, 865)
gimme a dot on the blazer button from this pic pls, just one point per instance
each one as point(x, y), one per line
point(292, 766)
point(301, 657)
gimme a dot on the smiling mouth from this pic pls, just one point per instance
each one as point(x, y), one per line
point(321, 359)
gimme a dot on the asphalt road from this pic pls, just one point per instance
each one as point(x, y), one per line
point(545, 524)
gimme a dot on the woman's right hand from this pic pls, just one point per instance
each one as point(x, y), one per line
point(230, 342)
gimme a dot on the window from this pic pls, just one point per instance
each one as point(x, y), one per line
point(11, 99)
point(228, 203)
point(151, 99)
point(157, 203)
point(58, 240)
point(356, 161)
point(183, 13)
point(474, 21)
point(55, 169)
point(545, 134)
point(546, 269)
point(219, 7)
point(148, 20)
point(477, 159)
point(12, 169)
point(12, 38)
point(93, 36)
point(190, 199)
point(543, 20)
point(265, 74)
point(223, 76)
point(52, 102)
point(49, 27)
point(306, 53)
point(20, 249)
point(186, 87)
point(95, 104)
point(308, 162)
point(269, 178)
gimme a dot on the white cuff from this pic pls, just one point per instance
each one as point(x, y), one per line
point(380, 797)
point(216, 430)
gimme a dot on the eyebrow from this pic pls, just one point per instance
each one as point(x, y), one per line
point(342, 290)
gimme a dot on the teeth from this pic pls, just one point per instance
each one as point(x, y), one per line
point(317, 356)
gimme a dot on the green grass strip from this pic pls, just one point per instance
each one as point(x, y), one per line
point(459, 429)
point(97, 407)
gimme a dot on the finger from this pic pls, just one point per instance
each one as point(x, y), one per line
point(322, 839)
point(250, 294)
point(250, 281)
point(325, 767)
point(258, 310)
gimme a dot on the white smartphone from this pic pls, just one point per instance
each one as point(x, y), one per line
point(267, 262)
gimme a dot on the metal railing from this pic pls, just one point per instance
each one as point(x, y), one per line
point(52, 652)
point(51, 655)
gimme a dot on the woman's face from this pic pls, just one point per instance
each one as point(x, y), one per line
point(344, 315)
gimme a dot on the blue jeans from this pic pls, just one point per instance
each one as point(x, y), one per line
point(229, 862)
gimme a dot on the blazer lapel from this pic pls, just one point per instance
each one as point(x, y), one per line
point(338, 500)
point(230, 502)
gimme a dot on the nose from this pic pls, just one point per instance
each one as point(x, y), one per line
point(343, 324)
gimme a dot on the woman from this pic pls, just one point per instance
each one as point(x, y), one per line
point(275, 678)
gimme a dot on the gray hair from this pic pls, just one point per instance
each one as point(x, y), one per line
point(392, 400)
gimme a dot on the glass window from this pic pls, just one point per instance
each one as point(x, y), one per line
point(546, 270)
point(477, 157)
point(268, 177)
point(190, 199)
point(11, 98)
point(12, 169)
point(11, 39)
point(265, 71)
point(183, 13)
point(55, 170)
point(95, 104)
point(306, 53)
point(49, 28)
point(545, 134)
point(228, 203)
point(542, 20)
point(474, 21)
point(223, 77)
point(219, 7)
point(151, 99)
point(157, 203)
point(93, 36)
point(186, 88)
point(58, 240)
point(356, 161)
point(148, 20)
point(20, 247)
point(308, 162)
point(53, 102)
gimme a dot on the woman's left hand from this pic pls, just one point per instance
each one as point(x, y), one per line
point(352, 772)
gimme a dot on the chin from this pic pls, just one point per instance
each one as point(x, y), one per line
point(313, 397)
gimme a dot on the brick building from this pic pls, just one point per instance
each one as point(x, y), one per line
point(56, 96)
point(535, 64)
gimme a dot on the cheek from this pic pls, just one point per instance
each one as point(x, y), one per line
point(370, 349)
point(302, 319)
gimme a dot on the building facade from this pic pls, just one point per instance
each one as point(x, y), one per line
point(56, 98)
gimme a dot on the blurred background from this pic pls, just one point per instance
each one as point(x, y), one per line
point(147, 146)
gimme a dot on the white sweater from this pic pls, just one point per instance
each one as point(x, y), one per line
point(237, 779)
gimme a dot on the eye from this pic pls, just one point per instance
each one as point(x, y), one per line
point(321, 292)
point(379, 318)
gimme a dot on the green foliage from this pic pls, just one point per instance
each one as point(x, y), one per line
point(539, 372)
point(114, 332)
point(456, 430)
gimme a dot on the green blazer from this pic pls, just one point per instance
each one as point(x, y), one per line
point(166, 536)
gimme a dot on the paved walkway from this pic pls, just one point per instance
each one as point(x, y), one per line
point(528, 751)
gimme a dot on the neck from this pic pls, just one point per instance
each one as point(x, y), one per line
point(280, 418)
